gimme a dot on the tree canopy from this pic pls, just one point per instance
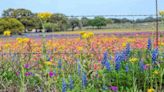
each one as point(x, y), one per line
point(11, 24)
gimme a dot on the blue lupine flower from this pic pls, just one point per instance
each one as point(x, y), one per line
point(117, 61)
point(154, 55)
point(48, 58)
point(64, 86)
point(84, 80)
point(54, 49)
point(123, 55)
point(105, 87)
point(54, 72)
point(59, 64)
point(141, 64)
point(149, 44)
point(107, 65)
point(127, 50)
point(127, 68)
point(71, 83)
point(79, 69)
point(105, 61)
point(105, 58)
point(118, 65)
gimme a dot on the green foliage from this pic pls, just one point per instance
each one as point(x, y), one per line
point(59, 20)
point(51, 27)
point(11, 24)
point(98, 22)
point(85, 21)
point(30, 22)
point(74, 22)
point(16, 13)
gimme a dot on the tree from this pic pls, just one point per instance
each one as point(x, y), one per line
point(109, 21)
point(84, 21)
point(59, 20)
point(125, 20)
point(51, 27)
point(16, 13)
point(98, 22)
point(25, 16)
point(116, 20)
point(8, 13)
point(12, 24)
point(30, 22)
point(74, 22)
point(149, 19)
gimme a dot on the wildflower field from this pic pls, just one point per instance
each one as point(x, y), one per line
point(85, 62)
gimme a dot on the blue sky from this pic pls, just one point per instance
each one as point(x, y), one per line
point(85, 7)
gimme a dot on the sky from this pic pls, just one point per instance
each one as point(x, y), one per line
point(85, 7)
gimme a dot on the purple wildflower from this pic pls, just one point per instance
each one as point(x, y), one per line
point(17, 73)
point(51, 74)
point(27, 66)
point(114, 88)
point(28, 74)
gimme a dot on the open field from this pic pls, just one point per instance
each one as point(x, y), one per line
point(89, 62)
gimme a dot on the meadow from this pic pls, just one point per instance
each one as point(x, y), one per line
point(82, 62)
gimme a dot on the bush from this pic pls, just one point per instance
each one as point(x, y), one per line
point(12, 24)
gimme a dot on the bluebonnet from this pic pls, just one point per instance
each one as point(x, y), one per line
point(107, 65)
point(105, 61)
point(64, 86)
point(118, 58)
point(59, 64)
point(127, 50)
point(105, 87)
point(105, 58)
point(79, 69)
point(149, 44)
point(127, 68)
point(125, 53)
point(154, 55)
point(48, 58)
point(141, 64)
point(54, 49)
point(54, 72)
point(84, 80)
point(71, 83)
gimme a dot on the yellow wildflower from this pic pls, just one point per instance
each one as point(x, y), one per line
point(7, 33)
point(22, 40)
point(133, 60)
point(82, 33)
point(150, 90)
point(25, 40)
point(161, 44)
point(7, 45)
point(80, 48)
point(123, 44)
point(156, 72)
point(44, 15)
point(86, 35)
point(48, 63)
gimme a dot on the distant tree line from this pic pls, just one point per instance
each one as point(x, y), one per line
point(24, 20)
